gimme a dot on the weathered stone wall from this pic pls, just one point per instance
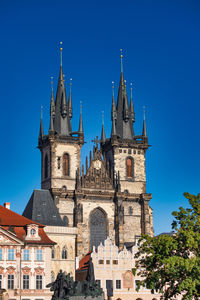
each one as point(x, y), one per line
point(83, 239)
point(64, 237)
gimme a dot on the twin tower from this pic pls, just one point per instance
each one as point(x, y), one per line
point(108, 197)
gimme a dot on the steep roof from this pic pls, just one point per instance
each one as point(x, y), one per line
point(41, 208)
point(15, 223)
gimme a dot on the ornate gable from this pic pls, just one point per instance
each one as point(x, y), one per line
point(98, 175)
point(8, 238)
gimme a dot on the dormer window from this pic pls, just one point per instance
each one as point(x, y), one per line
point(33, 231)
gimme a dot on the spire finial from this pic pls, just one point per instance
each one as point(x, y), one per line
point(102, 115)
point(113, 87)
point(144, 111)
point(61, 49)
point(81, 107)
point(121, 56)
point(52, 83)
point(41, 111)
point(131, 84)
point(70, 84)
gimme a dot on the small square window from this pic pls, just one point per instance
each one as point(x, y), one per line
point(98, 281)
point(124, 151)
point(115, 262)
point(107, 261)
point(101, 261)
point(134, 151)
point(129, 151)
point(118, 284)
point(120, 150)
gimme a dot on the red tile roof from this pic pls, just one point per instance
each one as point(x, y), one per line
point(83, 263)
point(19, 223)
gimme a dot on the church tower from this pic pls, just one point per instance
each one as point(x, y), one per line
point(61, 150)
point(125, 155)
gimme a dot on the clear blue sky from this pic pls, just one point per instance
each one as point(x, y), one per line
point(161, 42)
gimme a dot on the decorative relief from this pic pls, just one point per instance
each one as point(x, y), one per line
point(128, 280)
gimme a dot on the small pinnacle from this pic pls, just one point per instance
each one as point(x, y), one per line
point(102, 116)
point(81, 107)
point(113, 86)
point(131, 89)
point(144, 111)
point(52, 83)
point(41, 111)
point(70, 83)
point(121, 56)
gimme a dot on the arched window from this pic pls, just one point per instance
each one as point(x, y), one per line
point(66, 221)
point(129, 167)
point(130, 210)
point(46, 166)
point(53, 253)
point(98, 227)
point(64, 253)
point(66, 164)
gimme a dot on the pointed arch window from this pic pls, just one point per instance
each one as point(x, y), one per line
point(64, 253)
point(46, 166)
point(129, 167)
point(66, 164)
point(66, 221)
point(53, 253)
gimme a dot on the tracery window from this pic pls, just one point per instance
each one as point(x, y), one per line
point(66, 164)
point(46, 166)
point(129, 167)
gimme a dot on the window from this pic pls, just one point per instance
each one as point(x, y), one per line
point(33, 231)
point(38, 282)
point(129, 167)
point(10, 282)
point(101, 261)
point(1, 253)
point(64, 253)
point(10, 254)
point(26, 282)
point(118, 284)
point(58, 161)
point(115, 262)
point(130, 211)
point(26, 254)
point(52, 253)
point(98, 281)
point(1, 281)
point(66, 164)
point(52, 277)
point(46, 166)
point(107, 261)
point(39, 254)
point(65, 221)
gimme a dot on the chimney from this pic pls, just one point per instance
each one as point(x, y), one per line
point(7, 205)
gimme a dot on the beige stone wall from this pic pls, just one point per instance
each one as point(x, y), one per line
point(83, 228)
point(66, 208)
point(132, 223)
point(106, 268)
point(64, 237)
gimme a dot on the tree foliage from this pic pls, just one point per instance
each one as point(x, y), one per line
point(170, 264)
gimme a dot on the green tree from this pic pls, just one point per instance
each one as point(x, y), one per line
point(170, 264)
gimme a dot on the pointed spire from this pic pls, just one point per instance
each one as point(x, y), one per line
point(41, 133)
point(113, 111)
point(61, 49)
point(121, 57)
point(86, 163)
point(52, 108)
point(144, 130)
point(113, 132)
point(80, 120)
point(103, 135)
point(132, 113)
point(64, 101)
point(70, 100)
point(126, 108)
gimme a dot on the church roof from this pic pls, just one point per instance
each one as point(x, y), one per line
point(41, 208)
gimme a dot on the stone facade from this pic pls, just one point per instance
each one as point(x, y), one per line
point(65, 238)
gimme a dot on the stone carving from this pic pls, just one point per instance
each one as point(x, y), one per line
point(64, 287)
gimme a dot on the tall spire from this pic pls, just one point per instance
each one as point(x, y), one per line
point(80, 120)
point(144, 130)
point(41, 133)
point(52, 108)
point(126, 114)
point(132, 113)
point(64, 101)
point(113, 111)
point(70, 100)
point(113, 132)
point(121, 56)
point(103, 135)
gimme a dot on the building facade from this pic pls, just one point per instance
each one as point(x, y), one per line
point(25, 257)
point(113, 268)
point(107, 195)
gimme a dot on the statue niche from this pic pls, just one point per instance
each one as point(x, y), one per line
point(98, 227)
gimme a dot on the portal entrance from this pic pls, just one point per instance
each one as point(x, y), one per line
point(98, 227)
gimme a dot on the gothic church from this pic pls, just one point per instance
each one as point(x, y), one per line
point(106, 198)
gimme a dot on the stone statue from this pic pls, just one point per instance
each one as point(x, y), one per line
point(64, 287)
